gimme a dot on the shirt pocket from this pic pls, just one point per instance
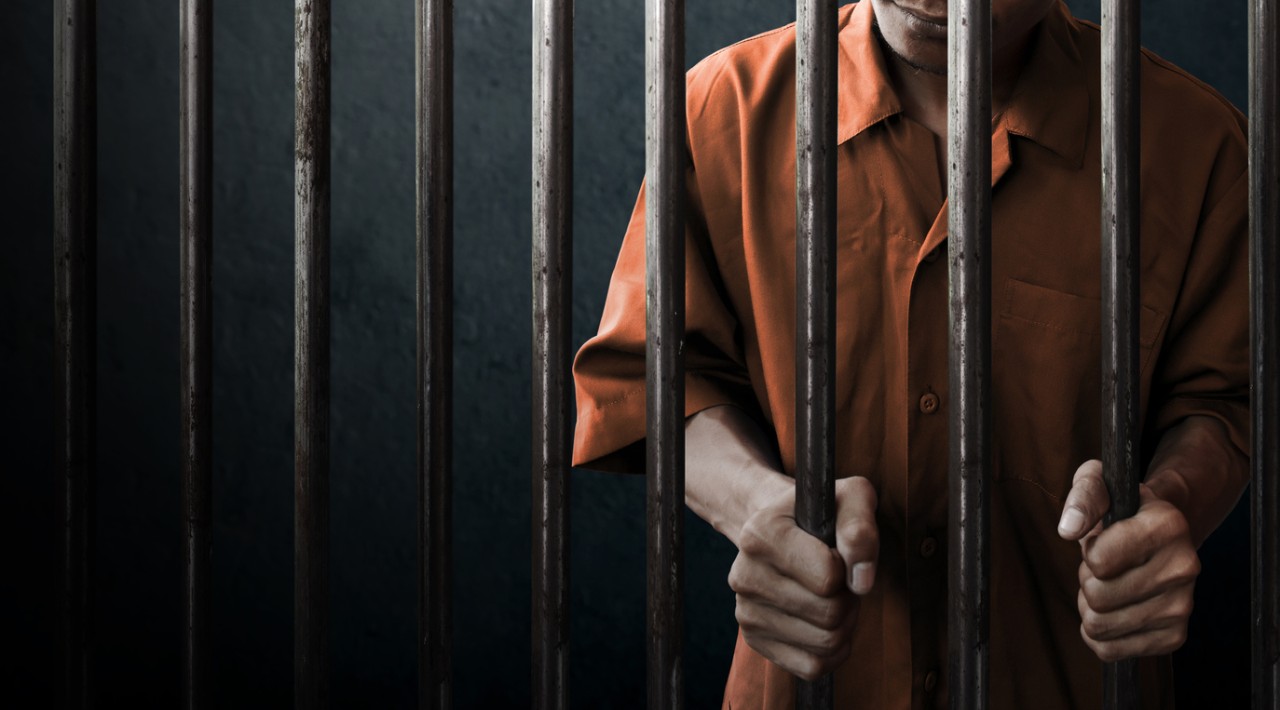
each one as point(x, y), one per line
point(1046, 381)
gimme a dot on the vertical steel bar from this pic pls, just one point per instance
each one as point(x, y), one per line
point(969, 256)
point(552, 331)
point(196, 136)
point(815, 285)
point(311, 357)
point(665, 164)
point(75, 179)
point(433, 35)
point(1264, 237)
point(1121, 428)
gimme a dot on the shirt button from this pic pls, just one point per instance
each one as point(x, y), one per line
point(928, 547)
point(929, 403)
point(930, 681)
point(933, 255)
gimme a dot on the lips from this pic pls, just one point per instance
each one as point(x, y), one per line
point(923, 16)
point(923, 25)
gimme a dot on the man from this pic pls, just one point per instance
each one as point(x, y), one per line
point(1065, 594)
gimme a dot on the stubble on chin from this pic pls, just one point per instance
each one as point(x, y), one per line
point(934, 69)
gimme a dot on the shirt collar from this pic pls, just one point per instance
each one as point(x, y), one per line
point(1050, 101)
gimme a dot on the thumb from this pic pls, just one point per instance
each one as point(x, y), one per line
point(1087, 502)
point(857, 537)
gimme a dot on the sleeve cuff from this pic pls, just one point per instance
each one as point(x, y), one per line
point(609, 435)
point(1233, 413)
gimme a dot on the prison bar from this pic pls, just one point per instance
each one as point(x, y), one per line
point(969, 274)
point(311, 356)
point(553, 404)
point(815, 288)
point(1264, 261)
point(665, 163)
point(75, 234)
point(1121, 425)
point(196, 178)
point(433, 105)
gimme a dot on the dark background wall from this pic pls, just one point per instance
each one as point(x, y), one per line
point(137, 599)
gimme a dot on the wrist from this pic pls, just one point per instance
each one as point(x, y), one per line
point(758, 488)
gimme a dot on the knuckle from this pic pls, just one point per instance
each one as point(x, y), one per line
point(807, 667)
point(738, 576)
point(1088, 641)
point(1089, 469)
point(1092, 490)
point(829, 641)
point(1093, 558)
point(830, 580)
point(862, 487)
point(829, 616)
point(1181, 607)
point(832, 614)
point(862, 533)
point(1190, 567)
point(1174, 524)
point(1094, 625)
point(1091, 593)
point(1084, 575)
point(752, 541)
point(746, 614)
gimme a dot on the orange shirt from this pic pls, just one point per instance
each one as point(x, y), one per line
point(892, 332)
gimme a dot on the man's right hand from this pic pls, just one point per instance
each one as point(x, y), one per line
point(797, 598)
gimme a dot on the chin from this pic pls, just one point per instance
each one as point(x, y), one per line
point(921, 45)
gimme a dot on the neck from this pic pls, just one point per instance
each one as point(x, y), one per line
point(923, 91)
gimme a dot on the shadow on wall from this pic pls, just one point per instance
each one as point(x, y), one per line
point(373, 526)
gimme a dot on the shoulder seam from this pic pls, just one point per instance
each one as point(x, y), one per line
point(714, 68)
point(1160, 62)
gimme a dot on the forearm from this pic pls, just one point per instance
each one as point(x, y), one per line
point(730, 468)
point(1199, 471)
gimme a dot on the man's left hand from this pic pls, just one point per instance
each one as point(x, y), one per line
point(1137, 575)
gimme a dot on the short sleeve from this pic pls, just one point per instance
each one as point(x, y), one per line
point(1205, 366)
point(609, 370)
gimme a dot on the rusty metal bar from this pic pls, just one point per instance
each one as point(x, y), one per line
point(969, 256)
point(1121, 427)
point(196, 170)
point(1264, 235)
point(433, 37)
point(665, 164)
point(311, 356)
point(553, 404)
point(75, 234)
point(815, 285)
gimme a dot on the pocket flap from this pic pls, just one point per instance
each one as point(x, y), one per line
point(1059, 310)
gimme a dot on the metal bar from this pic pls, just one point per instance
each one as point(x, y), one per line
point(815, 284)
point(433, 36)
point(665, 164)
point(969, 257)
point(196, 137)
point(311, 357)
point(1264, 233)
point(553, 406)
point(1121, 427)
point(75, 180)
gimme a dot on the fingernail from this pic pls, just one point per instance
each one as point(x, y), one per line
point(1072, 522)
point(861, 577)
